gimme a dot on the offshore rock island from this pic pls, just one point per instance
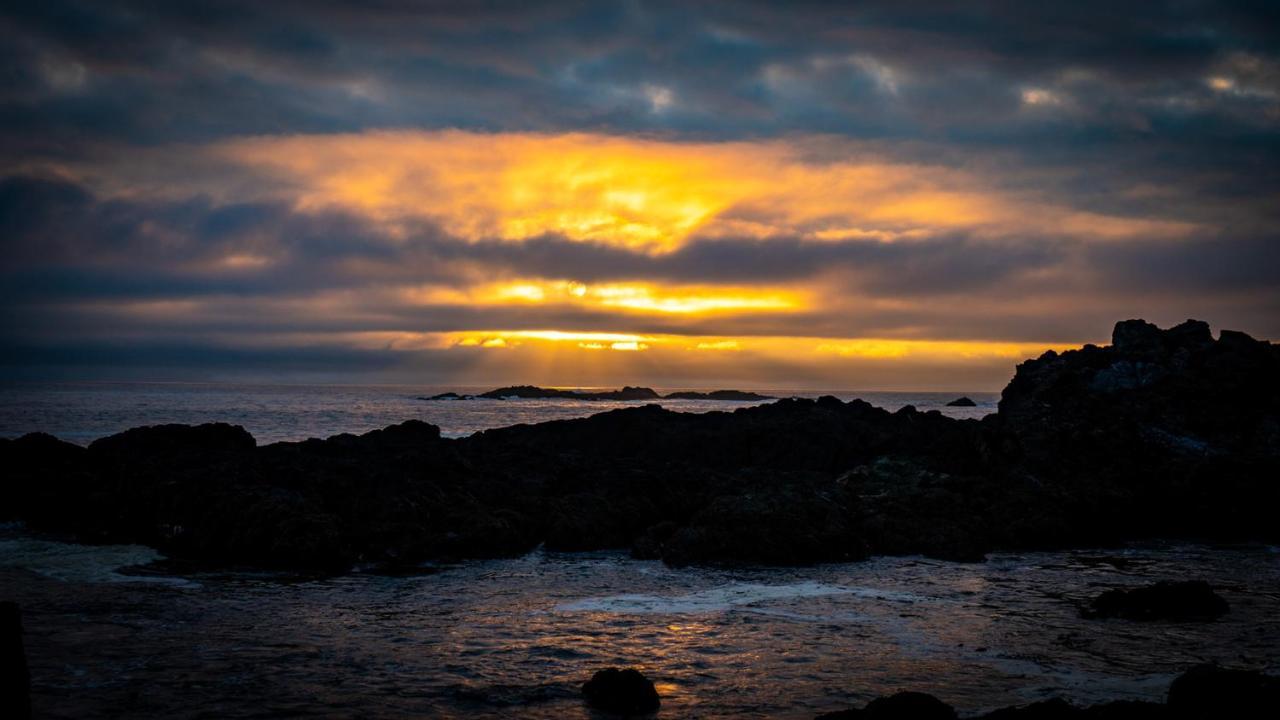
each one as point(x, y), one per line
point(1164, 433)
point(531, 392)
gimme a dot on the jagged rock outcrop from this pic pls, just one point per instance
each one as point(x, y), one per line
point(1166, 432)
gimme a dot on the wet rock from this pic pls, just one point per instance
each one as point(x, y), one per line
point(962, 402)
point(900, 706)
point(1055, 709)
point(1185, 601)
point(1126, 710)
point(1059, 709)
point(622, 692)
point(1208, 692)
point(15, 679)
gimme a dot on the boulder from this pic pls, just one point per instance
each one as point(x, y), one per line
point(1208, 692)
point(15, 679)
point(900, 706)
point(1182, 601)
point(622, 692)
point(962, 402)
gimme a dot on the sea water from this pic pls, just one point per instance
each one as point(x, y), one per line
point(517, 637)
point(83, 412)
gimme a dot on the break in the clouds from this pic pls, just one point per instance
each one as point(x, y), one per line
point(871, 195)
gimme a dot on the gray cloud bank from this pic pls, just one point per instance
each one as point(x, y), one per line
point(1150, 109)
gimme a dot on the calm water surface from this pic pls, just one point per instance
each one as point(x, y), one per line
point(517, 637)
point(83, 412)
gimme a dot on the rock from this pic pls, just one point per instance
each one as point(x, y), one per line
point(900, 706)
point(728, 395)
point(622, 692)
point(1126, 710)
point(1055, 709)
point(626, 393)
point(1208, 692)
point(1165, 433)
point(962, 402)
point(534, 392)
point(1186, 600)
point(15, 678)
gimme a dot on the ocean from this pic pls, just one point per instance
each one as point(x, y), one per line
point(81, 412)
point(517, 637)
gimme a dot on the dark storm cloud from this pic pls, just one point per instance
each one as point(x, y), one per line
point(163, 71)
point(1147, 110)
point(78, 265)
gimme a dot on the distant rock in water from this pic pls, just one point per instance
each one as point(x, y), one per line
point(735, 395)
point(1188, 600)
point(447, 396)
point(622, 692)
point(962, 402)
point(532, 392)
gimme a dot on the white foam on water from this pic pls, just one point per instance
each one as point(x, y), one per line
point(82, 563)
point(719, 599)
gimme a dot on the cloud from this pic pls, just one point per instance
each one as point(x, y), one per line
point(370, 187)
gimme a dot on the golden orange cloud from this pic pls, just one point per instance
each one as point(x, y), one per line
point(652, 195)
point(633, 297)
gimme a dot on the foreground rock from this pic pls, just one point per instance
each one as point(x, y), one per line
point(1202, 693)
point(1208, 692)
point(622, 692)
point(1165, 433)
point(531, 392)
point(15, 680)
point(902, 706)
point(1186, 601)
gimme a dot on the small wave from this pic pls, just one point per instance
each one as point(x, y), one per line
point(720, 599)
point(83, 563)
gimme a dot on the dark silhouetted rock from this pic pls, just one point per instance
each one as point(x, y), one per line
point(533, 392)
point(1126, 710)
point(1208, 692)
point(1187, 600)
point(526, 392)
point(15, 679)
point(962, 402)
point(622, 692)
point(728, 395)
point(1059, 709)
point(900, 706)
point(1165, 433)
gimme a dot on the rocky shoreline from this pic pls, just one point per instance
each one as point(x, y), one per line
point(1163, 433)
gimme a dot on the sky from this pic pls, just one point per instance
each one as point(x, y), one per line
point(874, 195)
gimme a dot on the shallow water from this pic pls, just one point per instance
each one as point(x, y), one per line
point(83, 412)
point(485, 638)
